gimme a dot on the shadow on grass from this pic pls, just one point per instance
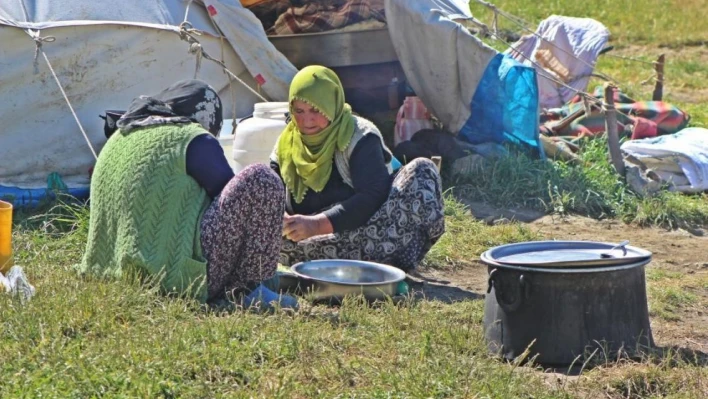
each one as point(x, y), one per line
point(419, 288)
point(426, 288)
point(676, 355)
point(666, 356)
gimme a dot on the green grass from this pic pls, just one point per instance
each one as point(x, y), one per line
point(667, 301)
point(673, 294)
point(640, 30)
point(592, 189)
point(650, 22)
point(85, 337)
point(466, 237)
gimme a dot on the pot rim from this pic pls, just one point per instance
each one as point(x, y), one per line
point(567, 270)
point(548, 248)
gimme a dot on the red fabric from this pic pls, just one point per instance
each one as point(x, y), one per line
point(412, 117)
point(638, 119)
point(644, 128)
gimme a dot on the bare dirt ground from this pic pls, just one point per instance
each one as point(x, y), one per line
point(685, 254)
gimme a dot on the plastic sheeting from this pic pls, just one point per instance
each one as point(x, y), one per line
point(504, 106)
point(106, 55)
point(470, 87)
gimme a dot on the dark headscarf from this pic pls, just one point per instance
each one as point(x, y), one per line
point(186, 101)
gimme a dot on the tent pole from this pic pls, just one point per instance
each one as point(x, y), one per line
point(611, 126)
point(659, 87)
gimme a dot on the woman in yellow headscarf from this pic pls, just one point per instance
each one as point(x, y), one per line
point(343, 200)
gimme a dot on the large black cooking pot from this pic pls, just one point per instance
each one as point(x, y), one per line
point(564, 299)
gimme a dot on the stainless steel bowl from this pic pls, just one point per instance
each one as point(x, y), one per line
point(334, 279)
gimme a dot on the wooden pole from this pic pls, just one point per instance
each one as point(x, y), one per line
point(659, 87)
point(611, 126)
point(437, 160)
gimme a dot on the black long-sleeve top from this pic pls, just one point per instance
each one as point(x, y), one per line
point(346, 207)
point(207, 164)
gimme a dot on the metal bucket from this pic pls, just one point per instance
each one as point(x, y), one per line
point(560, 309)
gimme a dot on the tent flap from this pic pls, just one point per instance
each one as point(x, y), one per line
point(470, 87)
point(245, 33)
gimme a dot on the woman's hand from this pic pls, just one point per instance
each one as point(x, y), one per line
point(301, 227)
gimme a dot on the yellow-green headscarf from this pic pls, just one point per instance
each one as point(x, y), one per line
point(306, 160)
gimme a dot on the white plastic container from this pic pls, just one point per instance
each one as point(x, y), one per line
point(255, 137)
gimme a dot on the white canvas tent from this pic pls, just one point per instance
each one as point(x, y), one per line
point(104, 54)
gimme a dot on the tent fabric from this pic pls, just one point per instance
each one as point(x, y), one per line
point(242, 29)
point(565, 49)
point(104, 60)
point(44, 14)
point(444, 62)
point(267, 65)
point(470, 87)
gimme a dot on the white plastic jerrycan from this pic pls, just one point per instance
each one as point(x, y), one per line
point(255, 137)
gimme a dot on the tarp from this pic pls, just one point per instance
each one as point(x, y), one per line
point(475, 91)
point(562, 49)
point(105, 54)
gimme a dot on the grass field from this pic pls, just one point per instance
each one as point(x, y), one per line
point(640, 30)
point(81, 338)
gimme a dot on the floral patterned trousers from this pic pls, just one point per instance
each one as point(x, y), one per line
point(400, 233)
point(241, 231)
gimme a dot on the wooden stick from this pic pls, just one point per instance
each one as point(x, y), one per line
point(558, 126)
point(659, 87)
point(611, 126)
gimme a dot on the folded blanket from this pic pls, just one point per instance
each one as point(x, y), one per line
point(323, 16)
point(635, 119)
point(685, 152)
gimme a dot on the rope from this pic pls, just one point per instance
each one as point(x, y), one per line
point(188, 33)
point(524, 26)
point(22, 3)
point(587, 106)
point(632, 59)
point(200, 54)
point(38, 40)
point(511, 17)
point(495, 26)
point(186, 11)
point(653, 78)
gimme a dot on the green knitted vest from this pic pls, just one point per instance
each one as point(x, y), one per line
point(146, 210)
